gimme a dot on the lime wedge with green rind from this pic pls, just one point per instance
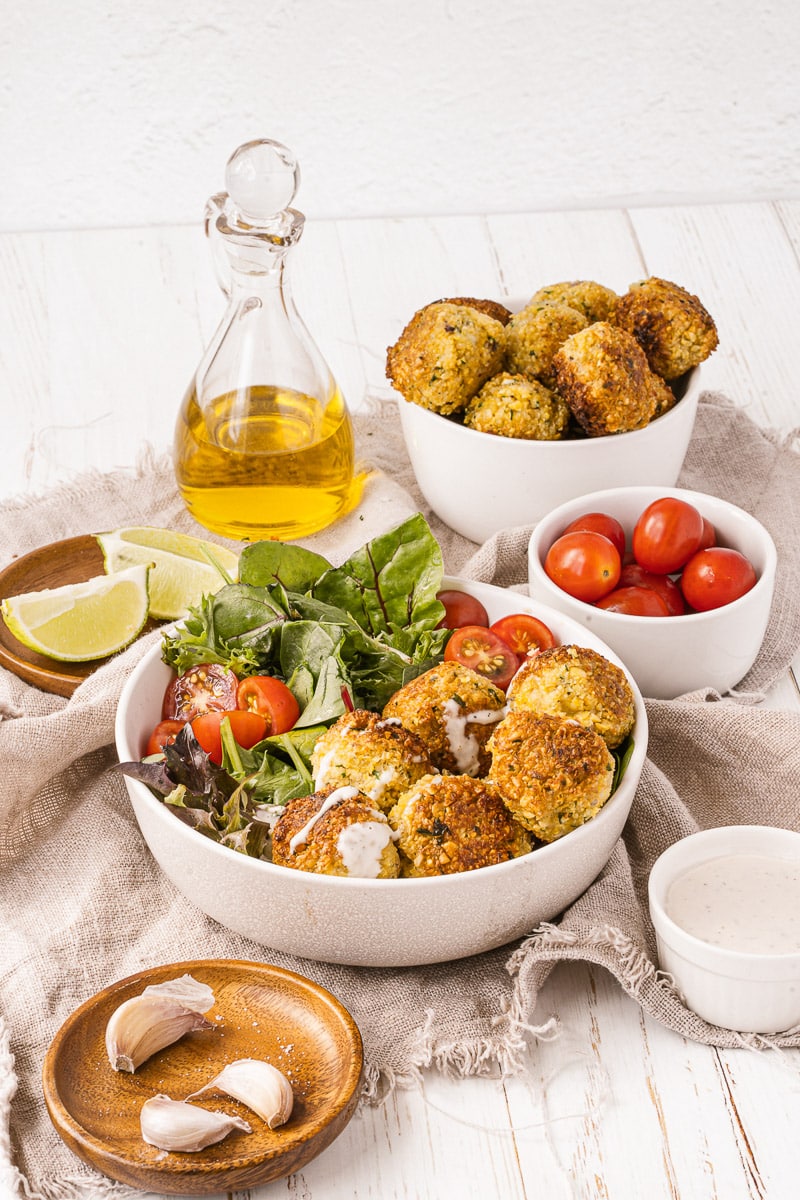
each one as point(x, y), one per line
point(80, 622)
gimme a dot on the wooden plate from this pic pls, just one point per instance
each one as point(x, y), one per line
point(73, 560)
point(260, 1011)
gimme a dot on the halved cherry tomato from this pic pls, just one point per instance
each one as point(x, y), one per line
point(461, 609)
point(524, 634)
point(666, 535)
point(585, 565)
point(204, 688)
point(598, 522)
point(271, 699)
point(635, 602)
point(715, 577)
point(632, 575)
point(163, 735)
point(477, 647)
point(246, 727)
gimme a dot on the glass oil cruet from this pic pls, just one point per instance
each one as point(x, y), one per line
point(263, 443)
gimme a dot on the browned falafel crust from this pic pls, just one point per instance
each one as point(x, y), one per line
point(671, 325)
point(603, 374)
point(554, 775)
point(454, 823)
point(576, 683)
point(319, 851)
point(381, 758)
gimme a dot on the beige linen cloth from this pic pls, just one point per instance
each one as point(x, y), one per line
point(83, 904)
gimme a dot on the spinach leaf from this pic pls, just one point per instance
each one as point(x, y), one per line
point(263, 564)
point(391, 582)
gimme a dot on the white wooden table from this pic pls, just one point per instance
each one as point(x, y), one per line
point(100, 333)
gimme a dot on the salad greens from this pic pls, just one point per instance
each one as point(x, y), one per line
point(341, 637)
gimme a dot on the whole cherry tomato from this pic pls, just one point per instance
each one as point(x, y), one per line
point(635, 602)
point(203, 688)
point(461, 609)
point(246, 727)
point(163, 735)
point(271, 699)
point(526, 635)
point(598, 522)
point(666, 535)
point(715, 577)
point(709, 537)
point(478, 648)
point(586, 565)
point(632, 575)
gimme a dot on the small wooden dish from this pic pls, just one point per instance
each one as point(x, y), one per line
point(73, 560)
point(260, 1011)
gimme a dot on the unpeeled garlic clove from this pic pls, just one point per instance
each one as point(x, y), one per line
point(175, 1125)
point(257, 1084)
point(161, 1015)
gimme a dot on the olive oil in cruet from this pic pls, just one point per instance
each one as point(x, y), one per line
point(263, 442)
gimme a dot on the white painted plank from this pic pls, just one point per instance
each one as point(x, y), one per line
point(737, 259)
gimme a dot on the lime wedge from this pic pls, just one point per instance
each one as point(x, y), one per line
point(184, 568)
point(81, 621)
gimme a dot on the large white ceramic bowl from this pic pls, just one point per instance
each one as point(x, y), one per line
point(479, 483)
point(375, 922)
point(670, 656)
point(737, 989)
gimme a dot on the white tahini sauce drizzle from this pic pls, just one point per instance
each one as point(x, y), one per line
point(361, 845)
point(746, 902)
point(301, 837)
point(387, 776)
point(320, 774)
point(464, 746)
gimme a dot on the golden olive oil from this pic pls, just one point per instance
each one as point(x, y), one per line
point(265, 462)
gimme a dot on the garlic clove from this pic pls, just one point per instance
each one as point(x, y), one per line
point(259, 1085)
point(161, 1015)
point(175, 1125)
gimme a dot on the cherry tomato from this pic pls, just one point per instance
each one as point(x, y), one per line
point(203, 688)
point(666, 535)
point(709, 537)
point(271, 699)
point(461, 609)
point(163, 735)
point(635, 601)
point(715, 577)
point(477, 647)
point(586, 565)
point(632, 575)
point(246, 727)
point(524, 634)
point(598, 522)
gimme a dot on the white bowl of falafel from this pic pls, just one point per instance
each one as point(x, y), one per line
point(507, 414)
point(471, 853)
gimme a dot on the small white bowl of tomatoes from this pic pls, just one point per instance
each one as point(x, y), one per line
point(679, 583)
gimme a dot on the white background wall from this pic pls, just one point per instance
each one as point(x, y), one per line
point(124, 113)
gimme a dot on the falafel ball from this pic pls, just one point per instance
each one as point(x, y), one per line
point(451, 823)
point(336, 831)
point(594, 300)
point(516, 407)
point(576, 684)
point(452, 710)
point(492, 308)
point(444, 356)
point(670, 324)
point(604, 376)
point(533, 336)
point(554, 775)
point(380, 758)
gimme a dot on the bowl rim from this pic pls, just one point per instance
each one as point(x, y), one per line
point(671, 863)
point(622, 796)
point(594, 501)
point(408, 410)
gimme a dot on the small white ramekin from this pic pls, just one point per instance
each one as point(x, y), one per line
point(746, 992)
